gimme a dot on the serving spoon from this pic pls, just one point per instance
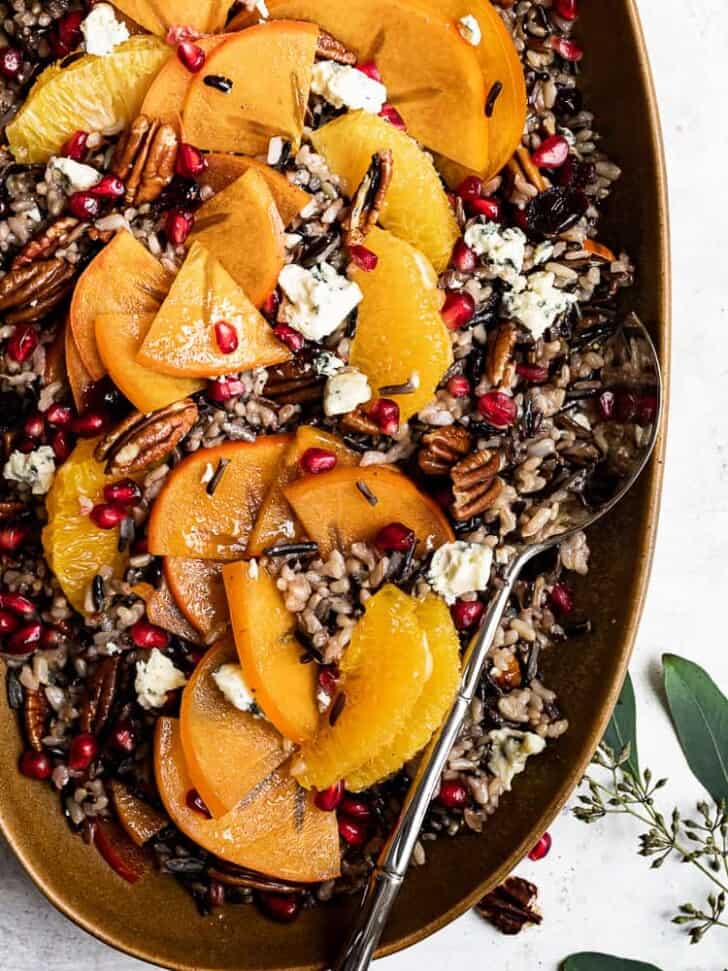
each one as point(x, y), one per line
point(389, 872)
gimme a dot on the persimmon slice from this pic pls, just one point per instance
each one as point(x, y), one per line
point(335, 513)
point(190, 519)
point(198, 590)
point(78, 377)
point(275, 830)
point(167, 92)
point(269, 651)
point(157, 16)
point(223, 169)
point(162, 610)
point(228, 752)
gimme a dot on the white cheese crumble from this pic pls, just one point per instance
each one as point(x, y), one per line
point(102, 31)
point(262, 8)
point(469, 29)
point(502, 250)
point(229, 679)
point(317, 300)
point(275, 150)
point(327, 364)
point(253, 570)
point(510, 751)
point(344, 390)
point(35, 469)
point(346, 87)
point(154, 678)
point(536, 303)
point(459, 568)
point(73, 176)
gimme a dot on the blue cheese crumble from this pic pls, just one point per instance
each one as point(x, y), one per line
point(155, 677)
point(536, 303)
point(231, 682)
point(36, 469)
point(346, 87)
point(502, 250)
point(316, 300)
point(509, 752)
point(458, 568)
point(469, 30)
point(73, 176)
point(345, 390)
point(102, 31)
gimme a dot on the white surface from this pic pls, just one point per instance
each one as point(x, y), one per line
point(596, 893)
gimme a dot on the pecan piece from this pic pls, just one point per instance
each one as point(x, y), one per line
point(142, 441)
point(28, 293)
point(511, 905)
point(501, 342)
point(35, 714)
point(509, 675)
point(328, 48)
point(442, 449)
point(368, 199)
point(59, 233)
point(144, 159)
point(294, 383)
point(99, 696)
point(476, 485)
point(522, 168)
point(359, 422)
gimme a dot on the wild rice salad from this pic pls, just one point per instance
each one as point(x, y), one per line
point(536, 379)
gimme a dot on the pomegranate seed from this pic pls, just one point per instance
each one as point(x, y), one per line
point(25, 445)
point(569, 50)
point(463, 258)
point(520, 218)
point(84, 206)
point(390, 114)
point(109, 187)
point(140, 546)
point(125, 492)
point(561, 598)
point(195, 802)
point(470, 188)
point(488, 207)
point(354, 808)
point(226, 337)
point(82, 752)
point(17, 604)
point(34, 426)
point(58, 415)
point(352, 832)
point(329, 799)
point(317, 460)
point(191, 56)
point(23, 341)
point(551, 153)
point(11, 61)
point(107, 515)
point(190, 161)
point(452, 794)
point(61, 445)
point(646, 409)
point(394, 538)
point(532, 372)
point(68, 33)
point(458, 386)
point(566, 9)
point(178, 226)
point(148, 636)
point(9, 623)
point(36, 765)
point(288, 336)
point(363, 258)
point(123, 735)
point(224, 389)
point(606, 405)
point(271, 304)
point(625, 406)
point(541, 848)
point(25, 639)
point(327, 681)
point(385, 413)
point(371, 70)
point(498, 409)
point(280, 907)
point(458, 309)
point(467, 613)
point(75, 147)
point(13, 537)
point(89, 425)
point(50, 638)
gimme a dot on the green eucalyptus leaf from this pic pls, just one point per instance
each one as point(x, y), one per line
point(592, 961)
point(699, 712)
point(622, 728)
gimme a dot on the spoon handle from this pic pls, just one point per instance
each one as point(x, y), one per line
point(389, 872)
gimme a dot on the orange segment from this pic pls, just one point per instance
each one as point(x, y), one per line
point(415, 207)
point(270, 70)
point(198, 590)
point(123, 278)
point(118, 338)
point(223, 169)
point(276, 522)
point(335, 514)
point(400, 331)
point(187, 521)
point(276, 830)
point(168, 90)
point(431, 706)
point(382, 687)
point(228, 752)
point(242, 228)
point(270, 652)
point(203, 15)
point(184, 339)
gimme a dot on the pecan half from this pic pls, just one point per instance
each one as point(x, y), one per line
point(520, 167)
point(99, 696)
point(35, 714)
point(359, 422)
point(443, 448)
point(476, 485)
point(59, 233)
point(328, 48)
point(294, 383)
point(500, 346)
point(142, 441)
point(511, 905)
point(368, 199)
point(144, 159)
point(28, 293)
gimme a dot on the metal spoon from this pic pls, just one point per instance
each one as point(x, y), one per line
point(575, 514)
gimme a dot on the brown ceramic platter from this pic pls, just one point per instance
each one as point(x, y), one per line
point(156, 920)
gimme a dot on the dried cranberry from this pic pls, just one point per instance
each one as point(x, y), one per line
point(317, 460)
point(25, 445)
point(467, 613)
point(195, 802)
point(11, 61)
point(108, 187)
point(36, 765)
point(394, 538)
point(463, 258)
point(577, 174)
point(390, 114)
point(488, 207)
point(148, 636)
point(75, 147)
point(555, 210)
point(25, 639)
point(67, 35)
point(605, 403)
point(498, 409)
point(224, 389)
point(178, 226)
point(385, 413)
point(371, 70)
point(288, 336)
point(364, 258)
point(61, 445)
point(12, 537)
point(280, 907)
point(646, 409)
point(58, 415)
point(551, 153)
point(34, 426)
point(226, 337)
point(125, 492)
point(84, 206)
point(23, 341)
point(191, 56)
point(568, 49)
point(18, 604)
point(89, 425)
point(452, 794)
point(181, 194)
point(625, 406)
point(82, 752)
point(561, 599)
point(352, 832)
point(533, 373)
point(541, 849)
point(190, 161)
point(568, 101)
point(458, 309)
point(9, 623)
point(354, 808)
point(329, 799)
